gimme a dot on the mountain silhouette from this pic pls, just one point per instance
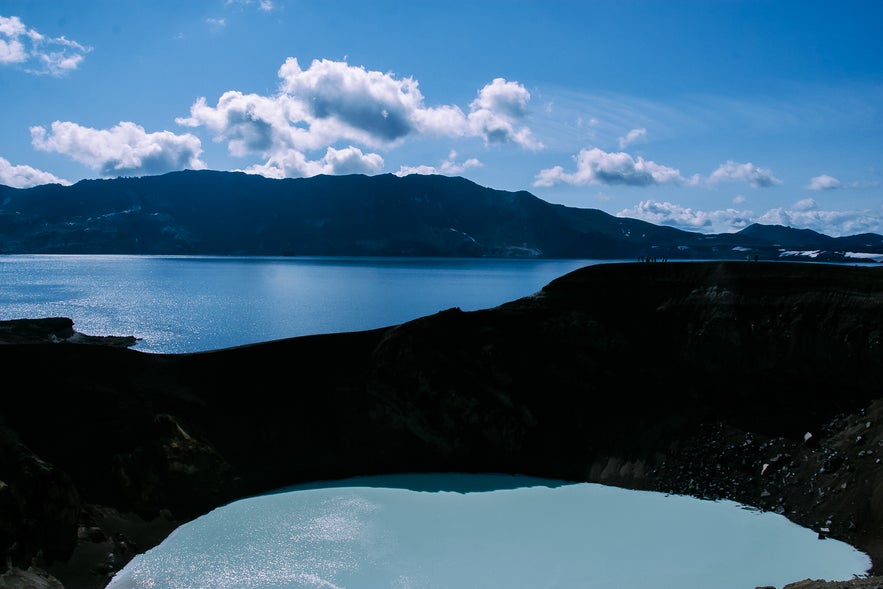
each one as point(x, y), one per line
point(233, 213)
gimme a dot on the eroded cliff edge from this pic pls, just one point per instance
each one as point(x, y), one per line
point(757, 382)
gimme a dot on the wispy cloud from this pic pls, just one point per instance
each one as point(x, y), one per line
point(631, 137)
point(36, 53)
point(22, 176)
point(123, 149)
point(265, 5)
point(332, 102)
point(595, 166)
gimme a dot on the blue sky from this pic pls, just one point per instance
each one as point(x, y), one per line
point(704, 115)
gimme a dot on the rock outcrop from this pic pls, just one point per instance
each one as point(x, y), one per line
point(757, 382)
point(56, 330)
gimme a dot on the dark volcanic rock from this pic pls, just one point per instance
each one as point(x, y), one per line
point(55, 330)
point(696, 378)
point(39, 506)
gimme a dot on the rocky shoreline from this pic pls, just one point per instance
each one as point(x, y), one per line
point(56, 330)
point(104, 450)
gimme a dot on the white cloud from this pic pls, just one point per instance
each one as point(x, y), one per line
point(508, 99)
point(351, 160)
point(265, 5)
point(806, 215)
point(332, 102)
point(823, 182)
point(803, 214)
point(494, 115)
point(631, 137)
point(594, 166)
point(452, 167)
point(747, 172)
point(251, 123)
point(421, 169)
point(22, 176)
point(806, 204)
point(216, 22)
point(688, 219)
point(448, 167)
point(350, 102)
point(37, 53)
point(123, 149)
point(294, 163)
point(12, 50)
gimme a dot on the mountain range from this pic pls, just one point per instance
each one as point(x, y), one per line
point(232, 213)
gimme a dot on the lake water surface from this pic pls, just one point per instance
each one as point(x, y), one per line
point(194, 303)
point(485, 532)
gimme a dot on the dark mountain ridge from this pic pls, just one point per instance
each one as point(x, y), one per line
point(232, 213)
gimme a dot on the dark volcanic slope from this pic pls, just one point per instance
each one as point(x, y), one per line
point(682, 377)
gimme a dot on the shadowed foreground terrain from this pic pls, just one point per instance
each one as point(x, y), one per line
point(757, 382)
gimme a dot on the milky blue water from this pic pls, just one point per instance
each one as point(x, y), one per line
point(192, 303)
point(386, 533)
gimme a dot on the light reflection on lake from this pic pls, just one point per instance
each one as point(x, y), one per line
point(431, 531)
point(182, 304)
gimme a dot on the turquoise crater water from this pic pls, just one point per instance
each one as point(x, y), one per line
point(487, 532)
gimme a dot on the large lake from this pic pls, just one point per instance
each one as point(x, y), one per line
point(195, 303)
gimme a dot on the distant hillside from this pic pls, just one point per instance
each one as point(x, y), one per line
point(231, 213)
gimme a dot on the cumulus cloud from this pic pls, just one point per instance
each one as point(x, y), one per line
point(494, 114)
point(332, 102)
point(294, 163)
point(506, 98)
point(823, 182)
point(747, 172)
point(449, 167)
point(251, 123)
point(123, 149)
point(36, 53)
point(421, 169)
point(352, 102)
point(806, 214)
point(631, 137)
point(803, 214)
point(688, 219)
point(594, 166)
point(22, 176)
